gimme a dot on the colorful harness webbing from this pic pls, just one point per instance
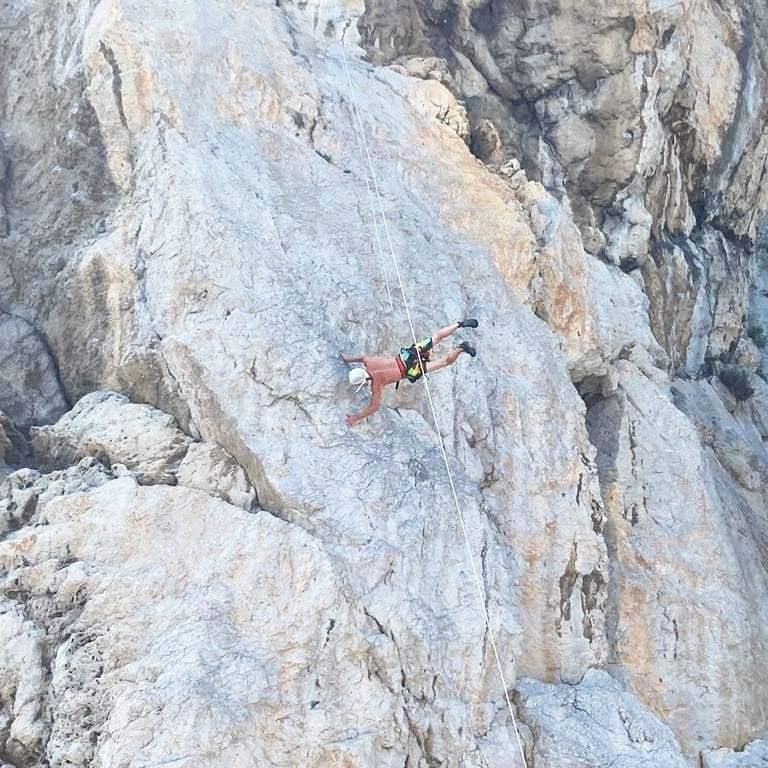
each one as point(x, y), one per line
point(408, 359)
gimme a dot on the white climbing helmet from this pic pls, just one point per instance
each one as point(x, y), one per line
point(358, 377)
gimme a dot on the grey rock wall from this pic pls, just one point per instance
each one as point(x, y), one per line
point(30, 389)
point(206, 565)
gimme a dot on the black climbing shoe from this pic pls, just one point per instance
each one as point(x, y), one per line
point(468, 324)
point(468, 348)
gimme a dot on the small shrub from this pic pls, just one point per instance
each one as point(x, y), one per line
point(706, 434)
point(758, 334)
point(736, 378)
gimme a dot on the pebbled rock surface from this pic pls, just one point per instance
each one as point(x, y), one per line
point(187, 223)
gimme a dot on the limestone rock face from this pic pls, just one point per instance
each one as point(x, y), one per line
point(190, 229)
point(208, 467)
point(593, 723)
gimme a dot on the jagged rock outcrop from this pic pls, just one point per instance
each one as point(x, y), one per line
point(107, 426)
point(141, 441)
point(24, 492)
point(198, 238)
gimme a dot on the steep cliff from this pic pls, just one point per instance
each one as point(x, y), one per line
point(649, 116)
point(209, 568)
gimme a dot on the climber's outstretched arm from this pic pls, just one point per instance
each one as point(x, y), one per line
point(353, 418)
point(350, 358)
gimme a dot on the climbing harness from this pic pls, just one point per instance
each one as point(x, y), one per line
point(366, 157)
point(413, 359)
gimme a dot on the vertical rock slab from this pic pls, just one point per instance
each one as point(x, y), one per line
point(30, 390)
point(687, 613)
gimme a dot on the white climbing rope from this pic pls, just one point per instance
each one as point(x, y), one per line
point(357, 123)
point(478, 584)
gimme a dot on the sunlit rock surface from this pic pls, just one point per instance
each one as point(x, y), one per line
point(185, 221)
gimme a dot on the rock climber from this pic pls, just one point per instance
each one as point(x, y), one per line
point(411, 364)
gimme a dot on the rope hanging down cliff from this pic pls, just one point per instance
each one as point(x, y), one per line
point(362, 148)
point(366, 157)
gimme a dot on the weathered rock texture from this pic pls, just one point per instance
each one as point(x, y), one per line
point(109, 427)
point(650, 118)
point(187, 224)
point(593, 723)
point(683, 484)
point(30, 392)
point(208, 467)
point(14, 449)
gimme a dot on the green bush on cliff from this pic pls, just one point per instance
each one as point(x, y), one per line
point(758, 334)
point(736, 378)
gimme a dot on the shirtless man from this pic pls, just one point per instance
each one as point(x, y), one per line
point(411, 364)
